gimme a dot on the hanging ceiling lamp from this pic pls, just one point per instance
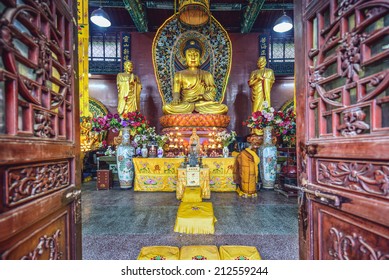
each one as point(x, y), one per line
point(100, 18)
point(283, 24)
point(194, 12)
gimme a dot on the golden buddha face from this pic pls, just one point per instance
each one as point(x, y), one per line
point(192, 57)
point(128, 67)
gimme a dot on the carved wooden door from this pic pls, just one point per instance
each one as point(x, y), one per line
point(342, 77)
point(39, 149)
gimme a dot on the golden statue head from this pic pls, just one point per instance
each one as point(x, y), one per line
point(193, 51)
point(128, 66)
point(261, 62)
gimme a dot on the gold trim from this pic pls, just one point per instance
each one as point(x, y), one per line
point(99, 103)
point(287, 104)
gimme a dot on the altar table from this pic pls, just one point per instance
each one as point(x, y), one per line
point(160, 174)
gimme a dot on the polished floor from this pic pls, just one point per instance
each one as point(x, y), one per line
point(118, 223)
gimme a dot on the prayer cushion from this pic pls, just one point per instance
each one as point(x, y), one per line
point(199, 252)
point(231, 252)
point(192, 194)
point(159, 253)
point(195, 218)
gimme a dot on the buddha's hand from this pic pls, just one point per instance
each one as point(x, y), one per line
point(175, 101)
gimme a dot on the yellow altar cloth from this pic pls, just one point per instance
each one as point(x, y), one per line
point(195, 218)
point(192, 194)
point(199, 252)
point(231, 252)
point(159, 253)
point(160, 174)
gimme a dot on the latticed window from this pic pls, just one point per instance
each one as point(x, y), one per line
point(104, 53)
point(281, 55)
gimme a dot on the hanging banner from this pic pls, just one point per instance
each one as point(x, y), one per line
point(83, 63)
point(125, 46)
point(264, 46)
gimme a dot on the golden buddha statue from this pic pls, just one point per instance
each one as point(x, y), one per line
point(129, 89)
point(194, 90)
point(261, 82)
point(195, 140)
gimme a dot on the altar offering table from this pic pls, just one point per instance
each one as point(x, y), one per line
point(160, 174)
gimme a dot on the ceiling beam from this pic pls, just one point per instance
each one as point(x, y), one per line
point(137, 13)
point(250, 15)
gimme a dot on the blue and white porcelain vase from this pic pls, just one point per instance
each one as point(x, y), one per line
point(124, 155)
point(160, 152)
point(144, 151)
point(267, 153)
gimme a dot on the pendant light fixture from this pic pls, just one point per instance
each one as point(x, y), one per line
point(100, 17)
point(284, 23)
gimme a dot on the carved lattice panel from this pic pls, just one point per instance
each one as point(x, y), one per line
point(348, 69)
point(35, 73)
point(40, 185)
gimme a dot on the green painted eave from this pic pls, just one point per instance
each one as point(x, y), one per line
point(250, 15)
point(137, 13)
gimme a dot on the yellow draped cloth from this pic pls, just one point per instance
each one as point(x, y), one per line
point(192, 194)
point(246, 172)
point(160, 174)
point(233, 252)
point(195, 218)
point(199, 252)
point(159, 253)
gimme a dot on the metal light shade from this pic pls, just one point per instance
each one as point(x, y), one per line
point(283, 24)
point(100, 18)
point(194, 12)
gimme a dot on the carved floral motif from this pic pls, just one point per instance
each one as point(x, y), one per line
point(345, 246)
point(37, 180)
point(364, 177)
point(344, 6)
point(353, 122)
point(50, 243)
point(43, 126)
point(350, 54)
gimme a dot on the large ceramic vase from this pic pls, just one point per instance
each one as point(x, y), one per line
point(124, 155)
point(267, 153)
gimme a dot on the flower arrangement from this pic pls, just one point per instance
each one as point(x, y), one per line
point(161, 140)
point(283, 123)
point(146, 135)
point(226, 138)
point(287, 128)
point(267, 117)
point(115, 122)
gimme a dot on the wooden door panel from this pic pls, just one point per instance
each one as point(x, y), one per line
point(342, 81)
point(46, 240)
point(340, 236)
point(39, 156)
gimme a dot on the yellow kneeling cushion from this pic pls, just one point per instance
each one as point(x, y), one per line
point(159, 253)
point(199, 252)
point(231, 252)
point(195, 218)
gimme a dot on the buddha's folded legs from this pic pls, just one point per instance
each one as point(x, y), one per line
point(209, 107)
point(182, 108)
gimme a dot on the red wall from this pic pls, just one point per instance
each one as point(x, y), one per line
point(237, 97)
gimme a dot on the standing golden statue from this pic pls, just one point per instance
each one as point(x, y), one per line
point(261, 82)
point(194, 90)
point(129, 89)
